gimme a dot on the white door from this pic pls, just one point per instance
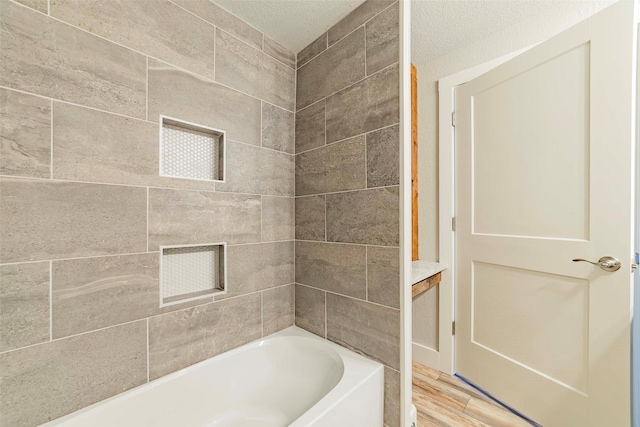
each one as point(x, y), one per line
point(544, 155)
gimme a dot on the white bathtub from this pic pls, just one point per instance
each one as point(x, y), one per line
point(291, 378)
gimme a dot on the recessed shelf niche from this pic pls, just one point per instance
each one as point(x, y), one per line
point(189, 272)
point(191, 151)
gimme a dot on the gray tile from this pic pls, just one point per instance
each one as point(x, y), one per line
point(157, 28)
point(39, 5)
point(359, 16)
point(391, 397)
point(191, 217)
point(47, 381)
point(383, 157)
point(310, 218)
point(181, 95)
point(24, 305)
point(252, 268)
point(383, 33)
point(367, 328)
point(278, 218)
point(90, 145)
point(25, 135)
point(336, 68)
point(315, 48)
point(211, 12)
point(279, 52)
point(278, 128)
point(368, 217)
point(278, 308)
point(383, 276)
point(310, 310)
point(336, 167)
point(51, 220)
point(333, 267)
point(44, 56)
point(93, 293)
point(257, 170)
point(368, 105)
point(310, 132)
point(94, 146)
point(251, 71)
point(182, 338)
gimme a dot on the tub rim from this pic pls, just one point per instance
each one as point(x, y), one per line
point(357, 369)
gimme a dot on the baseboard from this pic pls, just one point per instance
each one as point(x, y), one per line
point(425, 356)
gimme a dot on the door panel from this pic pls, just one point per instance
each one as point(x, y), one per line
point(505, 127)
point(544, 149)
point(502, 313)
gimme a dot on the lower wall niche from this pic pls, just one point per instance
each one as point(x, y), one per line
point(189, 272)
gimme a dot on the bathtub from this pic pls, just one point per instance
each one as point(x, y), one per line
point(290, 378)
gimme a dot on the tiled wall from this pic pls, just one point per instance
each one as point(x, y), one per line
point(83, 210)
point(347, 189)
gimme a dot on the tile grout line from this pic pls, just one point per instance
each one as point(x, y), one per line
point(215, 52)
point(352, 84)
point(58, 180)
point(149, 56)
point(208, 79)
point(147, 94)
point(62, 101)
point(51, 143)
point(261, 116)
point(325, 218)
point(348, 191)
point(137, 253)
point(326, 319)
point(366, 56)
point(350, 297)
point(329, 46)
point(261, 228)
point(144, 318)
point(361, 25)
point(261, 51)
point(348, 138)
point(50, 301)
point(230, 13)
point(144, 120)
point(326, 47)
point(366, 160)
point(148, 202)
point(325, 124)
point(345, 243)
point(77, 258)
point(366, 273)
point(148, 351)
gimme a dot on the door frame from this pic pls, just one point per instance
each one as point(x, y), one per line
point(446, 204)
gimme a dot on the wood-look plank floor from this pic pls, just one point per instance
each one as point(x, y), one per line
point(446, 401)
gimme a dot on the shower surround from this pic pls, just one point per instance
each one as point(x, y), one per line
point(83, 209)
point(347, 189)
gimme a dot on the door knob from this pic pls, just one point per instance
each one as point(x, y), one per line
point(607, 263)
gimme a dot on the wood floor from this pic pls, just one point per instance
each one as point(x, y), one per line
point(443, 400)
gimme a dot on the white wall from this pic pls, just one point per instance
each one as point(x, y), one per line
point(560, 15)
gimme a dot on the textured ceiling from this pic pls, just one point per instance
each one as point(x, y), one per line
point(438, 27)
point(292, 23)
